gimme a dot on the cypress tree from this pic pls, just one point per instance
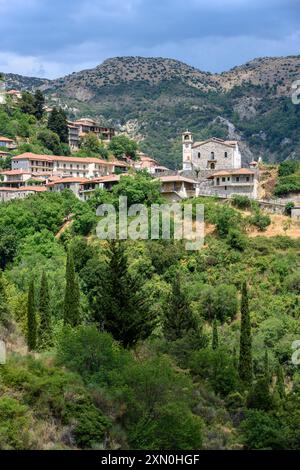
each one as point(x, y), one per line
point(39, 102)
point(58, 123)
point(179, 318)
point(4, 310)
point(215, 336)
point(72, 294)
point(267, 367)
point(44, 310)
point(280, 381)
point(245, 361)
point(31, 318)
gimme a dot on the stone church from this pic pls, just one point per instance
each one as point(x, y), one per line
point(210, 154)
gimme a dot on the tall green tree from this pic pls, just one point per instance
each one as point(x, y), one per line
point(39, 102)
point(57, 122)
point(27, 103)
point(280, 381)
point(45, 314)
point(4, 309)
point(72, 294)
point(215, 336)
point(267, 367)
point(245, 362)
point(179, 318)
point(31, 318)
point(117, 301)
point(122, 146)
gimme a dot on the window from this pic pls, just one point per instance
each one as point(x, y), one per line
point(199, 154)
point(212, 155)
point(186, 137)
point(237, 178)
point(64, 165)
point(71, 166)
point(212, 166)
point(225, 154)
point(77, 167)
point(223, 179)
point(228, 178)
point(247, 178)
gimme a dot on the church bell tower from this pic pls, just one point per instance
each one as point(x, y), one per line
point(187, 142)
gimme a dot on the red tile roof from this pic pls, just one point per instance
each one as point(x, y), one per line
point(15, 172)
point(67, 180)
point(37, 189)
point(5, 139)
point(59, 158)
point(239, 171)
point(175, 178)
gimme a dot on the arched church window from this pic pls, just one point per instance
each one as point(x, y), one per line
point(199, 154)
point(212, 155)
point(225, 154)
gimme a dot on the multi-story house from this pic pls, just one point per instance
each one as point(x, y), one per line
point(227, 183)
point(66, 166)
point(210, 154)
point(7, 193)
point(7, 143)
point(81, 127)
point(14, 178)
point(148, 163)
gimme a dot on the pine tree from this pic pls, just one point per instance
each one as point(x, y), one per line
point(57, 122)
point(39, 102)
point(117, 298)
point(72, 294)
point(280, 382)
point(31, 318)
point(245, 361)
point(45, 315)
point(215, 336)
point(179, 318)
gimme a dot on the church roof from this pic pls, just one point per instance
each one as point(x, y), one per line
point(228, 143)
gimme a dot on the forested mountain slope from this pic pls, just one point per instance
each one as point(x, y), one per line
point(155, 99)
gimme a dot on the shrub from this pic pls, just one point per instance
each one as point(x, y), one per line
point(90, 427)
point(261, 221)
point(236, 240)
point(288, 208)
point(292, 282)
point(242, 202)
point(15, 423)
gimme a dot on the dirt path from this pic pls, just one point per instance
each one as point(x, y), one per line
point(65, 226)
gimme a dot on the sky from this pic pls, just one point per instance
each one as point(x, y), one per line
point(52, 38)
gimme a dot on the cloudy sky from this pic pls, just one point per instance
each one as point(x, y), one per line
point(51, 38)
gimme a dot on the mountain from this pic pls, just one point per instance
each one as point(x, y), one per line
point(154, 99)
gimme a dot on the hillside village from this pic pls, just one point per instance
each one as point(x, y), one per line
point(211, 167)
point(143, 344)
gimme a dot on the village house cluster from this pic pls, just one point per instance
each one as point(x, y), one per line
point(209, 168)
point(82, 127)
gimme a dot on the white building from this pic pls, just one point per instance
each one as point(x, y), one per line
point(66, 166)
point(7, 194)
point(210, 154)
point(227, 183)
